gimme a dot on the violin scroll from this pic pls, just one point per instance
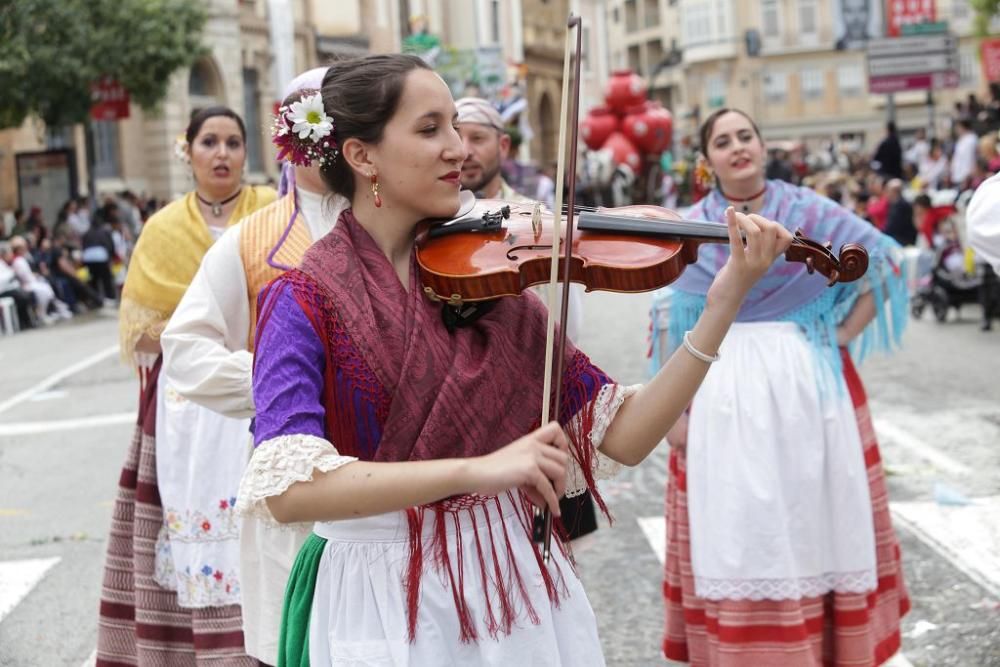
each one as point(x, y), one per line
point(848, 267)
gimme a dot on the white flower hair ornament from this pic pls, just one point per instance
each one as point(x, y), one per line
point(181, 148)
point(304, 132)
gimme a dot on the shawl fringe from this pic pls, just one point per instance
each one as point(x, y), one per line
point(357, 407)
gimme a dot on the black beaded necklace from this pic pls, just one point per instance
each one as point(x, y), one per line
point(217, 206)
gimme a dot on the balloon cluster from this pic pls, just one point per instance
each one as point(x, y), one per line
point(628, 124)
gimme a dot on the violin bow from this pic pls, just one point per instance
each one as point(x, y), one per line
point(553, 346)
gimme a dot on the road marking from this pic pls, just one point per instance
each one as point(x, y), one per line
point(887, 430)
point(12, 512)
point(968, 536)
point(898, 660)
point(655, 530)
point(32, 428)
point(18, 577)
point(92, 660)
point(56, 378)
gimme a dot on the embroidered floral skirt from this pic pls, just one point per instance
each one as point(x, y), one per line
point(834, 629)
point(141, 623)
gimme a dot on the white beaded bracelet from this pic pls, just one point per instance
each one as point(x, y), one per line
point(696, 353)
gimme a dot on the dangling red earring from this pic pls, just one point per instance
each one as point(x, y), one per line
point(378, 200)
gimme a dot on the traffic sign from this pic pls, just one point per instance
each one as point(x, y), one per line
point(929, 28)
point(918, 62)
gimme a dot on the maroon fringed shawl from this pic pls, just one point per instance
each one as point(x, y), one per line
point(399, 387)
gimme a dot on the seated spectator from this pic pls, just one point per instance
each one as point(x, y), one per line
point(68, 286)
point(40, 289)
point(10, 287)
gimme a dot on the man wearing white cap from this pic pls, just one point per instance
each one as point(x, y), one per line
point(487, 145)
point(208, 349)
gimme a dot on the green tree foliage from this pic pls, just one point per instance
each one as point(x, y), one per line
point(985, 11)
point(51, 51)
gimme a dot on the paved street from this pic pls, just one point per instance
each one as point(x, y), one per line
point(66, 404)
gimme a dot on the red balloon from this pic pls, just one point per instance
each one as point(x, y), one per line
point(597, 126)
point(622, 150)
point(625, 89)
point(649, 126)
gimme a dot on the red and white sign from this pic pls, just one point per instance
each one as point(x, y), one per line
point(898, 83)
point(110, 100)
point(908, 12)
point(991, 58)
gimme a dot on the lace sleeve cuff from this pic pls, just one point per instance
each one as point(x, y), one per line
point(280, 462)
point(609, 399)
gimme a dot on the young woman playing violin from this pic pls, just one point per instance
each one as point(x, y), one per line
point(417, 451)
point(780, 547)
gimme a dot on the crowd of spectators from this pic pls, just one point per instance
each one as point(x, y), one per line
point(76, 263)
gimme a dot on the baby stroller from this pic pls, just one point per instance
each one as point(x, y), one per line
point(948, 286)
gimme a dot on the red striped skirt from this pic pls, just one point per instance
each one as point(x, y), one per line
point(833, 630)
point(140, 622)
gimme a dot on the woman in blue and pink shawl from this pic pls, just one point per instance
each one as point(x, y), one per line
point(415, 447)
point(780, 547)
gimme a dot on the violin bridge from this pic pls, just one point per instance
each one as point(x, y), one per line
point(536, 220)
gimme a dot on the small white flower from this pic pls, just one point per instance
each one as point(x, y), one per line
point(309, 118)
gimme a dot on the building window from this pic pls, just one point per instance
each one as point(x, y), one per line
point(770, 20)
point(251, 114)
point(775, 87)
point(812, 83)
point(715, 91)
point(635, 59)
point(654, 53)
point(698, 23)
point(106, 155)
point(722, 15)
point(807, 20)
point(850, 80)
point(651, 13)
point(631, 16)
point(495, 21)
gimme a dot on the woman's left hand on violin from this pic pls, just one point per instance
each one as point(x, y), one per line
point(749, 259)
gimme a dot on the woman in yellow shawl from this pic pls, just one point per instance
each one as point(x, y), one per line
point(170, 592)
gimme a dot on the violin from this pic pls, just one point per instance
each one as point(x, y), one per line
point(496, 248)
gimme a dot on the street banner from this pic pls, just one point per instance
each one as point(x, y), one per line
point(110, 100)
point(991, 58)
point(855, 22)
point(908, 12)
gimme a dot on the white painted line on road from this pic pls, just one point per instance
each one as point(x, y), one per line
point(655, 530)
point(56, 378)
point(898, 660)
point(18, 577)
point(56, 425)
point(886, 429)
point(967, 536)
point(92, 660)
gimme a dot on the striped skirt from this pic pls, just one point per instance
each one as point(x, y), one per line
point(836, 630)
point(140, 622)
